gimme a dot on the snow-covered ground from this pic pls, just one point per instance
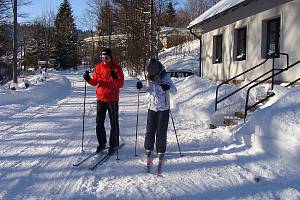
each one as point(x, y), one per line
point(41, 129)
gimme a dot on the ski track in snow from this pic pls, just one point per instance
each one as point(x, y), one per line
point(38, 151)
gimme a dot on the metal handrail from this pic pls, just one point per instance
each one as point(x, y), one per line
point(272, 76)
point(272, 70)
point(245, 85)
point(218, 101)
point(295, 81)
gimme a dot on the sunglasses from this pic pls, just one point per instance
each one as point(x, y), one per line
point(105, 57)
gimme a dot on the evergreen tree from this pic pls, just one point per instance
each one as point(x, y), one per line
point(5, 40)
point(105, 19)
point(171, 14)
point(105, 23)
point(37, 41)
point(66, 37)
point(168, 14)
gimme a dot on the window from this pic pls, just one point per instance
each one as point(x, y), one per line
point(217, 49)
point(241, 38)
point(273, 35)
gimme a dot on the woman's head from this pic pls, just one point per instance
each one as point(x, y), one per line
point(154, 67)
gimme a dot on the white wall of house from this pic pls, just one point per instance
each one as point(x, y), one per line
point(289, 14)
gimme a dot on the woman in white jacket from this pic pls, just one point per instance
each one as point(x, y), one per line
point(159, 85)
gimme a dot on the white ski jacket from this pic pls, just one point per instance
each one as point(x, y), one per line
point(159, 100)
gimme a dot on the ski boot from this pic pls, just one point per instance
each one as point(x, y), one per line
point(160, 163)
point(149, 161)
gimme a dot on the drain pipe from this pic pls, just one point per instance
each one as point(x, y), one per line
point(200, 56)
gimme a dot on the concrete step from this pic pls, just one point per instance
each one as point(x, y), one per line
point(240, 115)
point(270, 92)
point(231, 122)
point(212, 126)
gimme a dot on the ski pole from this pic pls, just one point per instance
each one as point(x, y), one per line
point(116, 114)
point(176, 134)
point(82, 137)
point(137, 121)
point(115, 117)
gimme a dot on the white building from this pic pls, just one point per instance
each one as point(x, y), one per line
point(236, 35)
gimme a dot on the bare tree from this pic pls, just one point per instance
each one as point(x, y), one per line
point(194, 8)
point(47, 21)
point(6, 9)
point(9, 8)
point(94, 15)
point(139, 20)
point(89, 23)
point(5, 13)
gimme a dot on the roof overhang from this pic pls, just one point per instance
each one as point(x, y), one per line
point(219, 9)
point(229, 11)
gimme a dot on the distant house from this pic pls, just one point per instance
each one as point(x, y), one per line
point(170, 36)
point(103, 41)
point(236, 35)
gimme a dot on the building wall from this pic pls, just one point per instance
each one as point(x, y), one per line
point(289, 43)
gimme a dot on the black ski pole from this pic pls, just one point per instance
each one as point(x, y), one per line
point(176, 134)
point(137, 121)
point(83, 116)
point(115, 117)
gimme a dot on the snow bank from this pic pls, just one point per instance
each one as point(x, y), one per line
point(196, 96)
point(276, 127)
point(182, 57)
point(37, 93)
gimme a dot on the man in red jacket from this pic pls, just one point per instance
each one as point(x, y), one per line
point(108, 77)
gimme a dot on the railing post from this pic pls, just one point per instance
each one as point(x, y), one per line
point(246, 105)
point(216, 101)
point(288, 61)
point(273, 70)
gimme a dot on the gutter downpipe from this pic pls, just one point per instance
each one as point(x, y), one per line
point(200, 55)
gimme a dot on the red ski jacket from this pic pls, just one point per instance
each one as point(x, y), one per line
point(107, 90)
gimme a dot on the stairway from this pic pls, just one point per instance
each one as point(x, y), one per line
point(238, 117)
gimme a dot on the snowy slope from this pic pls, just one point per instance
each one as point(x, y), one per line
point(41, 139)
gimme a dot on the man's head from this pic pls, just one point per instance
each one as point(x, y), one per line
point(106, 55)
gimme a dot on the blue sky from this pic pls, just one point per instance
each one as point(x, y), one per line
point(37, 7)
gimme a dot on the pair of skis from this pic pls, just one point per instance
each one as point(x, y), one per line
point(103, 159)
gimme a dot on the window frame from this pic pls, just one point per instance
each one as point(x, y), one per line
point(218, 49)
point(273, 33)
point(241, 44)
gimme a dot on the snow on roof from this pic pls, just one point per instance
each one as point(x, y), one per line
point(166, 28)
point(216, 9)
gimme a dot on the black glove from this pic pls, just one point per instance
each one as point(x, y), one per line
point(164, 86)
point(86, 76)
point(139, 85)
point(113, 74)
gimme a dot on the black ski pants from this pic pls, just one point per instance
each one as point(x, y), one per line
point(157, 126)
point(113, 111)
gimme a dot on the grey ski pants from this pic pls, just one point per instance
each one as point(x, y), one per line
point(157, 126)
